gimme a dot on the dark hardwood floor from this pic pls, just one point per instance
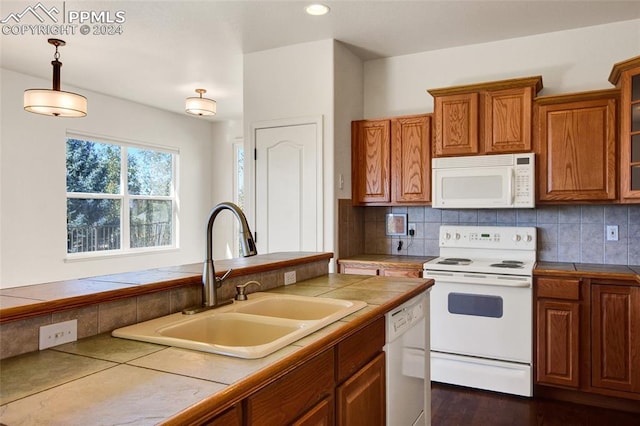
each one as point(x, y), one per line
point(458, 406)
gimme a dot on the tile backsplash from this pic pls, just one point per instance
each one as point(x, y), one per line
point(574, 233)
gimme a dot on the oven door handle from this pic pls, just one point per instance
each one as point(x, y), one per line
point(505, 281)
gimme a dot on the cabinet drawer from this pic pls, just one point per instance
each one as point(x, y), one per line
point(292, 395)
point(360, 348)
point(358, 270)
point(556, 288)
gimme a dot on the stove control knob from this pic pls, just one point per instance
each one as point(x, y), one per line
point(517, 238)
point(529, 238)
point(447, 236)
point(457, 236)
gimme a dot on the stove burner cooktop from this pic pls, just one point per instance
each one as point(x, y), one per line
point(513, 264)
point(455, 261)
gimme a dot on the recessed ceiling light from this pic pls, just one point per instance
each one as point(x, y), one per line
point(317, 9)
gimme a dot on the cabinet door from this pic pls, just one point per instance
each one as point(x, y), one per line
point(507, 120)
point(577, 147)
point(296, 393)
point(411, 159)
point(456, 124)
point(630, 135)
point(558, 344)
point(371, 161)
point(361, 399)
point(615, 328)
point(320, 415)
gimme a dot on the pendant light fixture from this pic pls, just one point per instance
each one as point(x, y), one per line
point(54, 101)
point(199, 105)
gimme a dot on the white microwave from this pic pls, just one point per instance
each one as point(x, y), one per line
point(484, 182)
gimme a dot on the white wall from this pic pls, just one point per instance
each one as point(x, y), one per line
point(291, 82)
point(32, 178)
point(225, 134)
point(569, 61)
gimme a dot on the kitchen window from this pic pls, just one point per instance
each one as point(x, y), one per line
point(121, 196)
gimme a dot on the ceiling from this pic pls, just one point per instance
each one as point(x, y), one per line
point(167, 49)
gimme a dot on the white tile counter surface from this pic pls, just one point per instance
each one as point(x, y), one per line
point(103, 380)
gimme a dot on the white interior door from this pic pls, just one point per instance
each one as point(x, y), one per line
point(288, 187)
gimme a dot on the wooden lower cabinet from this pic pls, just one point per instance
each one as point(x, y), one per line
point(289, 397)
point(615, 319)
point(230, 417)
point(588, 341)
point(343, 385)
point(558, 342)
point(319, 415)
point(361, 399)
point(378, 269)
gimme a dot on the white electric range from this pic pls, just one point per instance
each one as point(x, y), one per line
point(481, 307)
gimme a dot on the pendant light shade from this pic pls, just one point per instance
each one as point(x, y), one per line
point(199, 105)
point(55, 102)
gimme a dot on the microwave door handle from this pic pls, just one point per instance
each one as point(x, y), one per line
point(512, 178)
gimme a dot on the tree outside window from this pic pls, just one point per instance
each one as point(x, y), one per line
point(102, 179)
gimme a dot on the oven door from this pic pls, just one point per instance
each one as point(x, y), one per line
point(489, 318)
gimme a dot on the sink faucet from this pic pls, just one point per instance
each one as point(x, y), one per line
point(210, 283)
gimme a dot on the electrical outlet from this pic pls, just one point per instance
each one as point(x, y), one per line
point(58, 333)
point(289, 277)
point(411, 227)
point(612, 232)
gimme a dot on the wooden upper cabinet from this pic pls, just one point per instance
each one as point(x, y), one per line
point(371, 161)
point(391, 161)
point(456, 124)
point(576, 143)
point(484, 118)
point(411, 159)
point(507, 118)
point(626, 77)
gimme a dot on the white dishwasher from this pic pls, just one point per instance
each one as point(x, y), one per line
point(407, 364)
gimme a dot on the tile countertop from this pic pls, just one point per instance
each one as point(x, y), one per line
point(107, 380)
point(588, 270)
point(388, 259)
point(37, 299)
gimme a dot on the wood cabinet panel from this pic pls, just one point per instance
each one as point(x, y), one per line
point(371, 161)
point(558, 343)
point(358, 271)
point(507, 117)
point(358, 349)
point(484, 118)
point(577, 147)
point(555, 288)
point(391, 161)
point(289, 397)
point(361, 399)
point(411, 273)
point(411, 159)
point(230, 417)
point(456, 124)
point(320, 415)
point(615, 318)
point(626, 77)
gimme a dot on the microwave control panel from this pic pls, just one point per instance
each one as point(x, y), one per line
point(523, 181)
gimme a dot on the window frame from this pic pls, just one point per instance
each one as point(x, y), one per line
point(125, 198)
